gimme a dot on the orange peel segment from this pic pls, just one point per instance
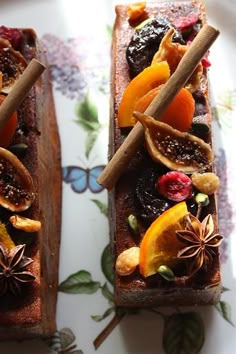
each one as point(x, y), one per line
point(160, 245)
point(153, 76)
point(179, 114)
point(173, 53)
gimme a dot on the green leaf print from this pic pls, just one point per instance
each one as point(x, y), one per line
point(86, 111)
point(109, 30)
point(89, 142)
point(224, 109)
point(102, 206)
point(183, 333)
point(107, 293)
point(99, 318)
point(224, 289)
point(87, 119)
point(79, 283)
point(107, 264)
point(225, 310)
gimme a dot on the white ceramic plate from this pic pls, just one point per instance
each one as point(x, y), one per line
point(77, 37)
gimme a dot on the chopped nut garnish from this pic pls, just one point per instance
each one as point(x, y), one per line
point(25, 224)
point(127, 261)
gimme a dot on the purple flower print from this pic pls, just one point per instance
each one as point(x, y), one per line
point(226, 224)
point(77, 65)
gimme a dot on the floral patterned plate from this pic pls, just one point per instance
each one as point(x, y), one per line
point(77, 37)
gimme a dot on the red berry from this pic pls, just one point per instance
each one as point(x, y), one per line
point(205, 62)
point(13, 35)
point(186, 21)
point(175, 186)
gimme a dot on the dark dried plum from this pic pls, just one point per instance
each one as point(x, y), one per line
point(150, 204)
point(145, 43)
point(200, 103)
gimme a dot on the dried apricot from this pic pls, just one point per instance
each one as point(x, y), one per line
point(179, 114)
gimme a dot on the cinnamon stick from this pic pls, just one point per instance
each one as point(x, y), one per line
point(117, 165)
point(20, 90)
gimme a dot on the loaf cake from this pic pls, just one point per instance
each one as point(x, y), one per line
point(30, 200)
point(163, 212)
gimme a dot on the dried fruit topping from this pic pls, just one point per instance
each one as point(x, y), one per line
point(149, 78)
point(150, 204)
point(176, 150)
point(127, 261)
point(175, 186)
point(145, 43)
point(136, 13)
point(200, 128)
point(8, 130)
point(185, 21)
point(201, 106)
point(179, 114)
point(12, 65)
point(5, 238)
point(206, 62)
point(13, 35)
point(12, 270)
point(173, 53)
point(160, 245)
point(201, 242)
point(25, 224)
point(16, 185)
point(207, 183)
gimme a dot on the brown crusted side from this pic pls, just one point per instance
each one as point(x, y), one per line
point(33, 313)
point(134, 290)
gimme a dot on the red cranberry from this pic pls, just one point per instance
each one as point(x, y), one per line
point(186, 21)
point(205, 62)
point(174, 186)
point(13, 35)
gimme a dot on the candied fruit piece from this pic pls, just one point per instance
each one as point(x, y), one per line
point(150, 204)
point(13, 35)
point(175, 186)
point(207, 183)
point(185, 21)
point(145, 43)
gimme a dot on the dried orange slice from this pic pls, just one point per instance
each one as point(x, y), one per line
point(160, 245)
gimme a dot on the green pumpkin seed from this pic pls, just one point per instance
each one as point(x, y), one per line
point(166, 273)
point(133, 224)
point(202, 199)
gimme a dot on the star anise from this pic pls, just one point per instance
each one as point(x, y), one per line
point(12, 270)
point(202, 243)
